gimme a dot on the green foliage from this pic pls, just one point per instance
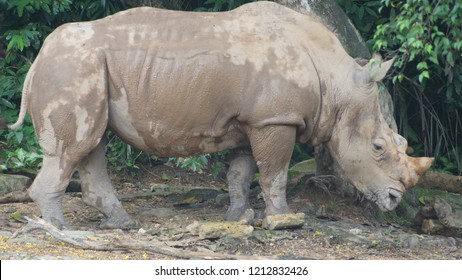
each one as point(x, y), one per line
point(426, 39)
point(20, 160)
point(120, 156)
point(194, 163)
point(427, 33)
point(301, 152)
point(222, 5)
point(210, 162)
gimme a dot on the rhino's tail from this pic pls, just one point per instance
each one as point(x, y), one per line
point(24, 100)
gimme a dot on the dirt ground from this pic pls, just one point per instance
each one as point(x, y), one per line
point(336, 226)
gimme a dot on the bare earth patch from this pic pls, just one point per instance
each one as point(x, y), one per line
point(167, 200)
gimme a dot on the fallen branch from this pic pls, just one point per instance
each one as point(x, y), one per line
point(441, 181)
point(153, 246)
point(15, 197)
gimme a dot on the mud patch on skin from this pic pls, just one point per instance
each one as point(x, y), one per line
point(77, 33)
point(251, 42)
point(82, 123)
point(49, 142)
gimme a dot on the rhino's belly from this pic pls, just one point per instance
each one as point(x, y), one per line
point(164, 138)
point(170, 142)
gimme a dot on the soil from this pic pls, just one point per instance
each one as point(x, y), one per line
point(337, 225)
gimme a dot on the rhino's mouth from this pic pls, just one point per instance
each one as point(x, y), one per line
point(389, 199)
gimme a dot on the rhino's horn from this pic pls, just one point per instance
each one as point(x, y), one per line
point(418, 167)
point(421, 164)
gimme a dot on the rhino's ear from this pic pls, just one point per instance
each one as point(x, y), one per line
point(378, 69)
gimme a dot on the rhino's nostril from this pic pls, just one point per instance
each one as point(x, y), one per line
point(395, 196)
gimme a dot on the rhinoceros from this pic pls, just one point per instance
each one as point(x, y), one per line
point(254, 80)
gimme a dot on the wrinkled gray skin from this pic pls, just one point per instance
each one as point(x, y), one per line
point(254, 80)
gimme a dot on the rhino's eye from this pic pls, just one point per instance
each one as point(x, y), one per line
point(378, 145)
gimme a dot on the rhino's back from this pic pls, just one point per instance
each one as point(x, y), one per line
point(182, 77)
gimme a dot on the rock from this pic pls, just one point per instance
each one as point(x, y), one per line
point(13, 183)
point(430, 226)
point(410, 241)
point(220, 229)
point(158, 212)
point(358, 239)
point(284, 221)
point(443, 212)
point(356, 231)
point(308, 208)
point(222, 200)
point(194, 228)
point(161, 189)
point(435, 215)
point(24, 239)
point(4, 233)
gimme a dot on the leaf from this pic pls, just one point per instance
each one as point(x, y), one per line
point(361, 12)
point(16, 216)
point(450, 59)
point(423, 199)
point(424, 75)
point(19, 135)
point(165, 177)
point(422, 66)
point(434, 58)
point(16, 40)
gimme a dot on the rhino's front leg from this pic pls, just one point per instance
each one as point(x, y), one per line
point(97, 191)
point(272, 147)
point(240, 174)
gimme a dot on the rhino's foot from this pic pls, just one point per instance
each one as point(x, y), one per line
point(119, 219)
point(58, 223)
point(281, 210)
point(244, 215)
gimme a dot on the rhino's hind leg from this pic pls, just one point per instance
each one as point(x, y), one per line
point(240, 174)
point(48, 189)
point(97, 191)
point(272, 148)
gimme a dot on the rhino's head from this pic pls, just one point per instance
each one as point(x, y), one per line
point(368, 153)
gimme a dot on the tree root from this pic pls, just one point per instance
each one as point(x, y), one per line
point(150, 246)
